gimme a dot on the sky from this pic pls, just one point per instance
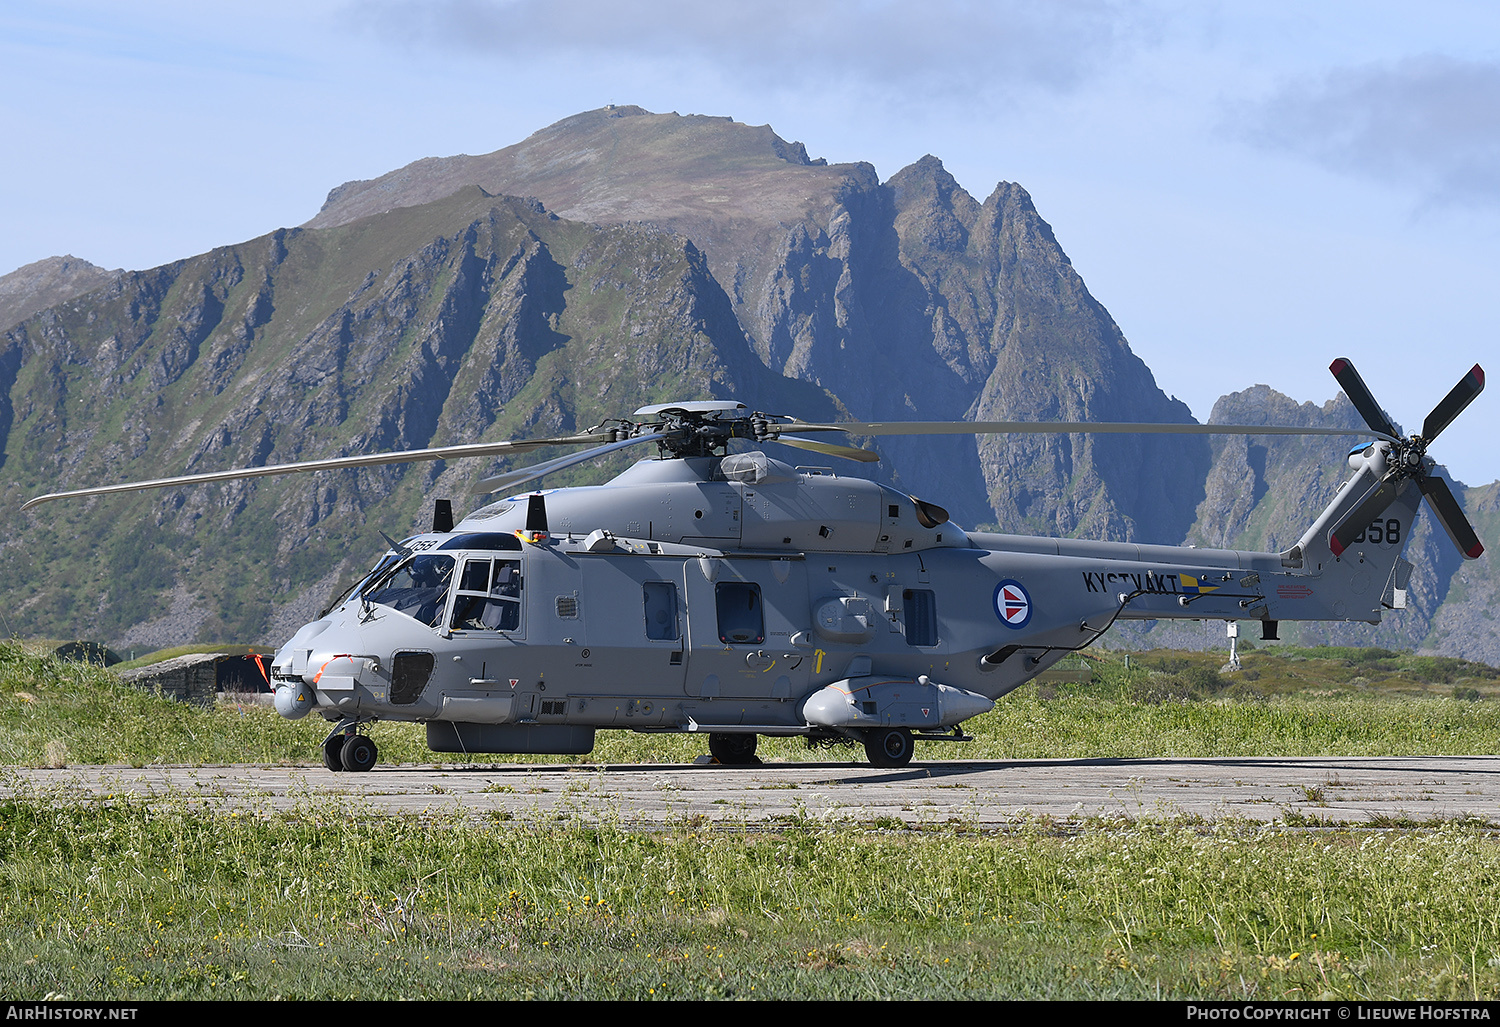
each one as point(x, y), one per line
point(1251, 189)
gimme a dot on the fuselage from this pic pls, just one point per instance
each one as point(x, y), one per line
point(703, 593)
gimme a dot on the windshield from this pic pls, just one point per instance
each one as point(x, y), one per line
point(417, 587)
point(385, 561)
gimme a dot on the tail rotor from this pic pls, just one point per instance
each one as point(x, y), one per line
point(1407, 459)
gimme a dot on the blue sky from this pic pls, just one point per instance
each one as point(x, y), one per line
point(1251, 189)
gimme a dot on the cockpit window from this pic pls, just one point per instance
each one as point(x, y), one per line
point(489, 596)
point(417, 588)
point(385, 563)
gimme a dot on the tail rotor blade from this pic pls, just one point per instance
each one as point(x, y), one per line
point(1471, 385)
point(1360, 518)
point(1451, 516)
point(1359, 394)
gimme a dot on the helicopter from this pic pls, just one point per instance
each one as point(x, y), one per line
point(733, 595)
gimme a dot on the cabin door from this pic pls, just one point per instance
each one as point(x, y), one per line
point(636, 626)
point(742, 616)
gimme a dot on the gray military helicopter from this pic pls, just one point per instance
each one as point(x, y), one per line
point(733, 595)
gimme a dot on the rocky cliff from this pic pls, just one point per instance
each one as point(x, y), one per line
point(906, 299)
point(614, 259)
point(471, 317)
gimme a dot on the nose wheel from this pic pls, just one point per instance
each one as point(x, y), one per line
point(343, 750)
point(359, 753)
point(333, 751)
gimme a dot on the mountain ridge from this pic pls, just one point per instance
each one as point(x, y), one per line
point(487, 312)
point(34, 287)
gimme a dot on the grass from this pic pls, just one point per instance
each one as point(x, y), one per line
point(53, 713)
point(166, 898)
point(135, 901)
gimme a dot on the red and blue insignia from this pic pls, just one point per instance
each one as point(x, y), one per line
point(1012, 603)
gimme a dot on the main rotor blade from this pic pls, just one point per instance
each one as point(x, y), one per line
point(1451, 516)
point(525, 474)
point(401, 551)
point(1359, 394)
point(1071, 428)
point(1462, 394)
point(864, 456)
point(307, 466)
point(1357, 520)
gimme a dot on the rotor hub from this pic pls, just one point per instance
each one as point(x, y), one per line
point(1409, 459)
point(691, 433)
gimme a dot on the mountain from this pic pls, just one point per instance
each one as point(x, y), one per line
point(1465, 622)
point(616, 258)
point(907, 299)
point(471, 317)
point(46, 283)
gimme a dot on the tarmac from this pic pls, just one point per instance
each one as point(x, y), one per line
point(967, 794)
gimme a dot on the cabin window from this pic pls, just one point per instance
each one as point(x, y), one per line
point(742, 618)
point(919, 605)
point(661, 610)
point(417, 588)
point(489, 596)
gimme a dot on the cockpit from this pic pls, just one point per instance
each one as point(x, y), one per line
point(485, 587)
point(489, 596)
point(417, 587)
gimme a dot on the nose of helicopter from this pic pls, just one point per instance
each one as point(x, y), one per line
point(317, 658)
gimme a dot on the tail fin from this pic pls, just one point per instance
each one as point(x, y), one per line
point(1368, 573)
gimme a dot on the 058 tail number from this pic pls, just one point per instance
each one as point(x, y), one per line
point(1386, 532)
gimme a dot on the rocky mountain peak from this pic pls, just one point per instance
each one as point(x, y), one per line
point(47, 282)
point(577, 166)
point(926, 176)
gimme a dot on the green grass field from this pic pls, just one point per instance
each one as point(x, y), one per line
point(135, 900)
point(139, 900)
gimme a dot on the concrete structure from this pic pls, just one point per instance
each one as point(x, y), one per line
point(190, 679)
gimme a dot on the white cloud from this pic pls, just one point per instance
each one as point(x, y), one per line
point(944, 46)
point(1430, 122)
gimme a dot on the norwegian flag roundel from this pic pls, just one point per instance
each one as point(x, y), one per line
point(1012, 603)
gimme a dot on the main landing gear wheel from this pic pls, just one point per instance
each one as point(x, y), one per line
point(732, 749)
point(333, 751)
point(359, 753)
point(889, 747)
